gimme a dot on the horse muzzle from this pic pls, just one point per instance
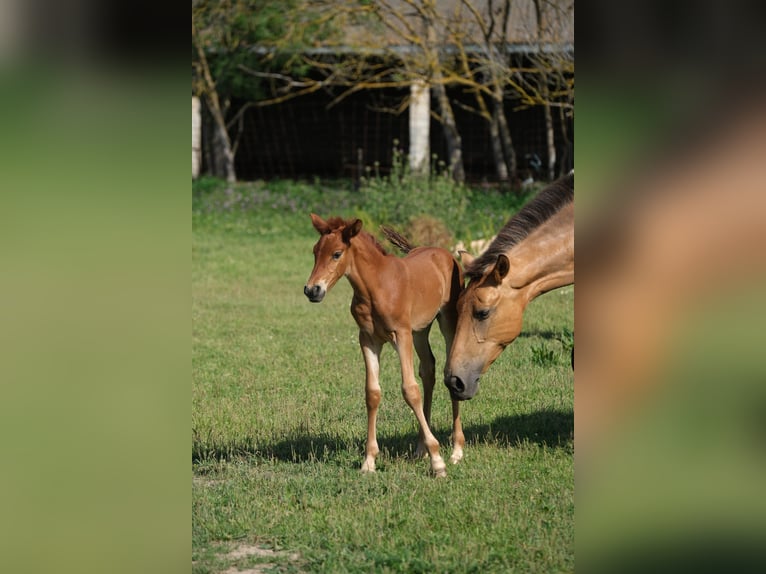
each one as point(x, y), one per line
point(459, 389)
point(315, 293)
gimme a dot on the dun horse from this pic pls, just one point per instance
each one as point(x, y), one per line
point(532, 254)
point(395, 300)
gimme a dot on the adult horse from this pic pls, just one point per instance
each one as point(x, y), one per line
point(532, 254)
point(395, 301)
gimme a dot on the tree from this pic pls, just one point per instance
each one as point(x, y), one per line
point(205, 86)
point(552, 72)
point(250, 50)
point(489, 68)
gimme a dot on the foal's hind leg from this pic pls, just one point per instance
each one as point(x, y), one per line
point(403, 343)
point(447, 321)
point(371, 352)
point(427, 372)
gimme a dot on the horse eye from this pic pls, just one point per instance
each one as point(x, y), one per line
point(481, 314)
point(337, 255)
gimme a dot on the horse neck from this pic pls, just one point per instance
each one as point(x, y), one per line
point(545, 259)
point(365, 266)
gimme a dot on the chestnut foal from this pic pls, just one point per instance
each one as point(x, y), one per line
point(395, 300)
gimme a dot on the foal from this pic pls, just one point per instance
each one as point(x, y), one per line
point(395, 300)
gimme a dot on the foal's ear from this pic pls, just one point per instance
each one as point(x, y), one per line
point(352, 230)
point(465, 258)
point(502, 267)
point(320, 224)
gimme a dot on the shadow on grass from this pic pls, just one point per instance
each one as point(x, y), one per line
point(548, 335)
point(553, 428)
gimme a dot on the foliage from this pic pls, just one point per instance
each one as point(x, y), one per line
point(474, 213)
point(542, 356)
point(566, 338)
point(427, 230)
point(251, 43)
point(401, 196)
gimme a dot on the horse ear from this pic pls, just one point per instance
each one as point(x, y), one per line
point(465, 258)
point(502, 267)
point(320, 224)
point(352, 230)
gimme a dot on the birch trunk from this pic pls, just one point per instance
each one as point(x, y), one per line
point(196, 136)
point(420, 127)
point(550, 141)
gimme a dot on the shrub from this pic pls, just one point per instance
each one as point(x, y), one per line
point(542, 356)
point(400, 197)
point(427, 230)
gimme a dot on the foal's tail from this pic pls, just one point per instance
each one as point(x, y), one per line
point(397, 239)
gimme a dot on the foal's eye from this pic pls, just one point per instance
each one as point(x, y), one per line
point(337, 255)
point(481, 314)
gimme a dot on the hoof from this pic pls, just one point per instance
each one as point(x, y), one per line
point(456, 457)
point(367, 467)
point(438, 468)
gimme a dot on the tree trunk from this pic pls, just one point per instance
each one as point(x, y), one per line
point(505, 135)
point(567, 163)
point(420, 127)
point(447, 117)
point(196, 137)
point(550, 141)
point(497, 147)
point(451, 134)
point(223, 156)
point(543, 83)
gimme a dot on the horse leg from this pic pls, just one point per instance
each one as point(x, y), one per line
point(411, 392)
point(427, 372)
point(447, 321)
point(371, 353)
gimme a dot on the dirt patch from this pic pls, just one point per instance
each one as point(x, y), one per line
point(247, 550)
point(203, 481)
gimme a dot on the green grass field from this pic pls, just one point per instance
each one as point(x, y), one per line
point(279, 422)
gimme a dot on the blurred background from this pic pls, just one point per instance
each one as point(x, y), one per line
point(670, 400)
point(94, 243)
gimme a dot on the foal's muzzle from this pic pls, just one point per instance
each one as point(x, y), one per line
point(315, 293)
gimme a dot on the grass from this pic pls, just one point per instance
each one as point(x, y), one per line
point(278, 420)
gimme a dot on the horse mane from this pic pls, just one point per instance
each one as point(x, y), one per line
point(338, 222)
point(544, 206)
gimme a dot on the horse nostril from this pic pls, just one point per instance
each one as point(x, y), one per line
point(456, 384)
point(314, 293)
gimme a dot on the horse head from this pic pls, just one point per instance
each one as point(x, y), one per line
point(330, 254)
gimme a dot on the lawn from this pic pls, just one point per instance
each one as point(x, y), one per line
point(279, 423)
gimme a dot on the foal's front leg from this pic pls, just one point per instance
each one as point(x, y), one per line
point(411, 392)
point(371, 353)
point(428, 376)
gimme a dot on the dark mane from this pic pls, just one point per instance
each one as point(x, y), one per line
point(338, 222)
point(544, 206)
